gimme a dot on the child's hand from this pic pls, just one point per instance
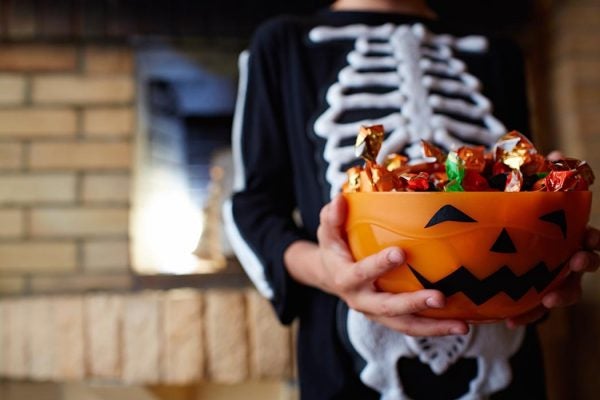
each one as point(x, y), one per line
point(569, 292)
point(354, 281)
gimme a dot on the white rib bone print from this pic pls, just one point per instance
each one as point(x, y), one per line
point(424, 86)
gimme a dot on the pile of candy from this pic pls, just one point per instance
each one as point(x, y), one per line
point(514, 165)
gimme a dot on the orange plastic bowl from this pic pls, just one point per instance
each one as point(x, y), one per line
point(493, 254)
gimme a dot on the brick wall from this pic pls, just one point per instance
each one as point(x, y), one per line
point(172, 337)
point(66, 128)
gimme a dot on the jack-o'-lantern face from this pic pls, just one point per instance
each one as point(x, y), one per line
point(492, 254)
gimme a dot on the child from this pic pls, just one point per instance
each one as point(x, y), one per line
point(306, 85)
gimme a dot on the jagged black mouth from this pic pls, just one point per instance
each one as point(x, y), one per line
point(503, 280)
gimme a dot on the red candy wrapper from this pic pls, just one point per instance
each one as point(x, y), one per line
point(474, 182)
point(514, 181)
point(419, 182)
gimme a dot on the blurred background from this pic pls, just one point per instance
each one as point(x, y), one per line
point(115, 116)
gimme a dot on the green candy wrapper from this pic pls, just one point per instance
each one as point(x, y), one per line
point(455, 170)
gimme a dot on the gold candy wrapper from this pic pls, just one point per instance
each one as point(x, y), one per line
point(514, 150)
point(395, 162)
point(368, 142)
point(430, 151)
point(473, 157)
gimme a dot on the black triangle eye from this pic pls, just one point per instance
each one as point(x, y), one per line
point(448, 213)
point(558, 218)
point(503, 243)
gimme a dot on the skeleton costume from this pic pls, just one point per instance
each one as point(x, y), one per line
point(306, 85)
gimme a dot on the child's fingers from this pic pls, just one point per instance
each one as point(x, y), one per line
point(569, 292)
point(332, 219)
point(592, 239)
point(367, 270)
point(395, 305)
point(413, 325)
point(584, 261)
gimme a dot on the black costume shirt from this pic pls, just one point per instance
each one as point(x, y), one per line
point(306, 85)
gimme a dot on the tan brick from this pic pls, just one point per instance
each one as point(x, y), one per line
point(37, 57)
point(575, 44)
point(588, 96)
point(578, 16)
point(11, 223)
point(106, 255)
point(24, 257)
point(587, 70)
point(12, 89)
point(108, 121)
point(108, 59)
point(80, 283)
point(42, 332)
point(104, 323)
point(182, 362)
point(11, 155)
point(17, 352)
point(4, 335)
point(270, 342)
point(37, 188)
point(595, 219)
point(37, 122)
point(225, 329)
point(69, 340)
point(113, 391)
point(141, 342)
point(589, 123)
point(91, 89)
point(79, 221)
point(99, 156)
point(12, 285)
point(106, 188)
point(21, 390)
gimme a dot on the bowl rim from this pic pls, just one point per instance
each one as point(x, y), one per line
point(487, 193)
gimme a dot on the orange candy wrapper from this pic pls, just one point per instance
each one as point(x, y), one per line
point(514, 165)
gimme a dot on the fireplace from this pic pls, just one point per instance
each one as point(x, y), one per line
point(183, 156)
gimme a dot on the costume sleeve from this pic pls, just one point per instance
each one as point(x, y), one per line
point(258, 217)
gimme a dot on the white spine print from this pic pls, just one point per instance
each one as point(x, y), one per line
point(429, 92)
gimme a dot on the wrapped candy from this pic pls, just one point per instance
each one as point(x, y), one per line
point(514, 165)
point(432, 152)
point(368, 142)
point(395, 161)
point(384, 180)
point(473, 158)
point(514, 181)
point(514, 150)
point(473, 181)
point(455, 170)
point(353, 182)
point(419, 182)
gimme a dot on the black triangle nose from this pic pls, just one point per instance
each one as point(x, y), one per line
point(503, 243)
